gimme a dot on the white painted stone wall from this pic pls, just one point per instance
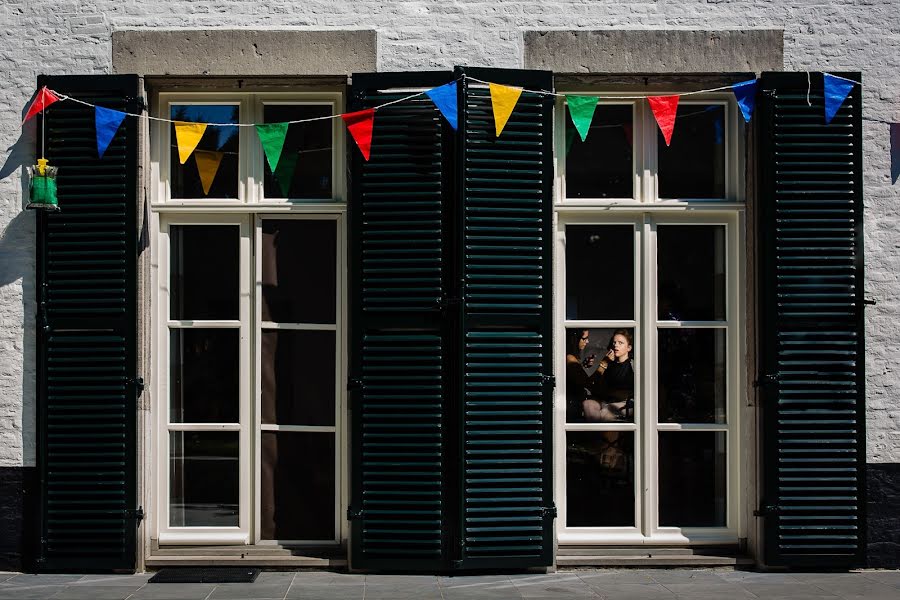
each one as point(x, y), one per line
point(73, 37)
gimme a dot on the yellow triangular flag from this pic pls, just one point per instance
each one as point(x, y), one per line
point(208, 165)
point(187, 136)
point(503, 99)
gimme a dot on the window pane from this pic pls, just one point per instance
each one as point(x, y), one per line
point(601, 166)
point(600, 272)
point(216, 154)
point(203, 479)
point(297, 486)
point(304, 169)
point(205, 376)
point(600, 376)
point(299, 271)
point(692, 479)
point(691, 375)
point(694, 165)
point(205, 271)
point(691, 272)
point(298, 378)
point(600, 479)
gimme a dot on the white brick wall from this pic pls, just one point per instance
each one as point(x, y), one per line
point(73, 36)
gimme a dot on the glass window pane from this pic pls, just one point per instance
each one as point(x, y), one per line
point(600, 376)
point(694, 165)
point(205, 271)
point(299, 271)
point(204, 479)
point(691, 272)
point(298, 379)
point(600, 479)
point(691, 383)
point(601, 165)
point(205, 376)
point(600, 272)
point(304, 169)
point(297, 486)
point(214, 161)
point(692, 479)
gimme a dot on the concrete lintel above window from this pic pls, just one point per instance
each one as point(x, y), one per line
point(231, 52)
point(654, 50)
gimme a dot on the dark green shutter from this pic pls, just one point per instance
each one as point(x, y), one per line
point(811, 329)
point(86, 327)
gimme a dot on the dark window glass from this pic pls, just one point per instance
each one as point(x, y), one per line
point(299, 272)
point(304, 169)
point(204, 479)
point(297, 486)
point(205, 376)
point(692, 479)
point(600, 479)
point(691, 272)
point(691, 382)
point(218, 144)
point(205, 271)
point(297, 372)
point(694, 165)
point(600, 272)
point(600, 375)
point(602, 165)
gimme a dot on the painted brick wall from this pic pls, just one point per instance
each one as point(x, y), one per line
point(73, 36)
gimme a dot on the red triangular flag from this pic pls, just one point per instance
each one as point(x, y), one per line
point(360, 126)
point(44, 99)
point(664, 109)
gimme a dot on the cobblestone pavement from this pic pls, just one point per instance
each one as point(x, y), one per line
point(636, 584)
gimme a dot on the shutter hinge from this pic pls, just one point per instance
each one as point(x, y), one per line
point(138, 385)
point(138, 103)
point(549, 512)
point(870, 301)
point(42, 315)
point(550, 379)
point(354, 384)
point(353, 514)
point(766, 380)
point(767, 509)
point(136, 513)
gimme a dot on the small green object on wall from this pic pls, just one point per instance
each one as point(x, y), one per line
point(43, 187)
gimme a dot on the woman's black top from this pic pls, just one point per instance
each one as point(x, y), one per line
point(617, 382)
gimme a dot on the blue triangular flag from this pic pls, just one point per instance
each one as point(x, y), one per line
point(444, 97)
point(745, 94)
point(836, 91)
point(107, 121)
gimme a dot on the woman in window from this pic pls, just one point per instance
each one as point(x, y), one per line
point(612, 385)
point(577, 380)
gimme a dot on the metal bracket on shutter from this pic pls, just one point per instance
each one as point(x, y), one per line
point(136, 513)
point(138, 103)
point(138, 385)
point(765, 380)
point(766, 510)
point(549, 512)
point(550, 379)
point(353, 514)
point(870, 301)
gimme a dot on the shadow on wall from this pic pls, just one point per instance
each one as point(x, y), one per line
point(895, 152)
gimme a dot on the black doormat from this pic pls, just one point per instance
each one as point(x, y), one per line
point(205, 575)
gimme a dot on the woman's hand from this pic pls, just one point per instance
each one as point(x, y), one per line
point(610, 356)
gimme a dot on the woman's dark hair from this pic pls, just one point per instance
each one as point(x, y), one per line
point(574, 339)
point(625, 334)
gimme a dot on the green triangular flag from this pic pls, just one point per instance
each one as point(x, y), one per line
point(284, 174)
point(581, 109)
point(271, 136)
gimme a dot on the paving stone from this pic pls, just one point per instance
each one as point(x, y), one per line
point(708, 591)
point(174, 591)
point(241, 591)
point(633, 591)
point(757, 577)
point(44, 592)
point(786, 590)
point(90, 592)
point(863, 589)
point(134, 581)
point(42, 579)
point(885, 577)
point(683, 576)
point(615, 576)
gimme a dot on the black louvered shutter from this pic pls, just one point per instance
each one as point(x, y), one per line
point(811, 329)
point(505, 215)
point(86, 255)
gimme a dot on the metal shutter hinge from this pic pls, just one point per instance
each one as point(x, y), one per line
point(138, 385)
point(354, 384)
point(766, 380)
point(549, 512)
point(138, 102)
point(870, 301)
point(550, 379)
point(353, 514)
point(767, 509)
point(136, 513)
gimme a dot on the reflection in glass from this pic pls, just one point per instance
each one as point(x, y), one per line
point(600, 272)
point(600, 376)
point(205, 270)
point(297, 377)
point(203, 479)
point(691, 272)
point(600, 479)
point(299, 273)
point(205, 376)
point(601, 166)
point(692, 479)
point(297, 486)
point(304, 169)
point(691, 383)
point(694, 165)
point(217, 142)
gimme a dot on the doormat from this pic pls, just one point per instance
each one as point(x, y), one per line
point(205, 575)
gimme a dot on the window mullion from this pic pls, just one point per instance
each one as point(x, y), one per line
point(647, 305)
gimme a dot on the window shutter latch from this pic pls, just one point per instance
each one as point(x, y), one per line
point(549, 512)
point(549, 380)
point(765, 380)
point(136, 513)
point(138, 384)
point(353, 514)
point(767, 510)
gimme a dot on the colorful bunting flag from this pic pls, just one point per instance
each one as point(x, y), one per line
point(271, 136)
point(187, 136)
point(836, 91)
point(208, 163)
point(745, 94)
point(44, 99)
point(444, 97)
point(360, 125)
point(664, 109)
point(503, 100)
point(107, 122)
point(284, 174)
point(581, 110)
